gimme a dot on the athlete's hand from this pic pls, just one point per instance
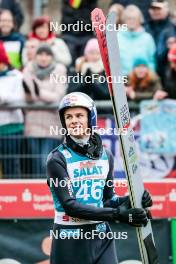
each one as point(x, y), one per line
point(146, 199)
point(133, 216)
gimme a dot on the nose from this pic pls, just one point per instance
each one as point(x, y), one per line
point(74, 120)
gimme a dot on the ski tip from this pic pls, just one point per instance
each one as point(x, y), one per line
point(96, 11)
point(97, 15)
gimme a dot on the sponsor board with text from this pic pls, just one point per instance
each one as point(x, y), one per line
point(32, 198)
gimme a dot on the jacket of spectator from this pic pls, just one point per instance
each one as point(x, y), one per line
point(73, 14)
point(11, 121)
point(170, 74)
point(13, 41)
point(170, 82)
point(43, 85)
point(155, 28)
point(166, 39)
point(143, 5)
point(15, 7)
point(159, 19)
point(59, 47)
point(132, 44)
point(14, 45)
point(142, 82)
point(163, 45)
point(135, 41)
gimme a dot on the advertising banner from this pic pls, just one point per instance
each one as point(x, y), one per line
point(158, 126)
point(32, 198)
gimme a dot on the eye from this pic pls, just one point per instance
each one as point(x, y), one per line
point(67, 117)
point(80, 115)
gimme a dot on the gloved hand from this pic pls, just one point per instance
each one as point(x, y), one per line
point(146, 199)
point(133, 216)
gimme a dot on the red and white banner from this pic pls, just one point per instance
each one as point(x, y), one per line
point(32, 198)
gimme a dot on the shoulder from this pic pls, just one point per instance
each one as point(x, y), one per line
point(15, 73)
point(56, 156)
point(147, 36)
point(59, 68)
point(59, 41)
point(18, 36)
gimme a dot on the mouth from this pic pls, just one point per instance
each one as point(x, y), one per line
point(77, 126)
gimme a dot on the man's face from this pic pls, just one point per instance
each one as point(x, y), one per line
point(76, 120)
point(157, 13)
point(6, 23)
point(43, 59)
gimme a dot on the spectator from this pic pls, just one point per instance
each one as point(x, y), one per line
point(13, 41)
point(11, 121)
point(40, 87)
point(41, 32)
point(77, 12)
point(135, 41)
point(166, 39)
point(170, 77)
point(29, 50)
point(142, 82)
point(159, 13)
point(173, 16)
point(15, 8)
point(142, 5)
point(90, 66)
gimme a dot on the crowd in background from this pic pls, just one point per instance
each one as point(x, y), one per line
point(148, 59)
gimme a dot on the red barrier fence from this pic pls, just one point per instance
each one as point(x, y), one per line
point(32, 198)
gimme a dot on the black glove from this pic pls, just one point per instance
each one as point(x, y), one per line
point(125, 199)
point(25, 87)
point(146, 199)
point(133, 216)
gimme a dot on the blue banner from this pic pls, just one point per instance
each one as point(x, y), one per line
point(158, 127)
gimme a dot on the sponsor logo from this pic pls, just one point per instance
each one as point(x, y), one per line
point(93, 170)
point(87, 164)
point(65, 218)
